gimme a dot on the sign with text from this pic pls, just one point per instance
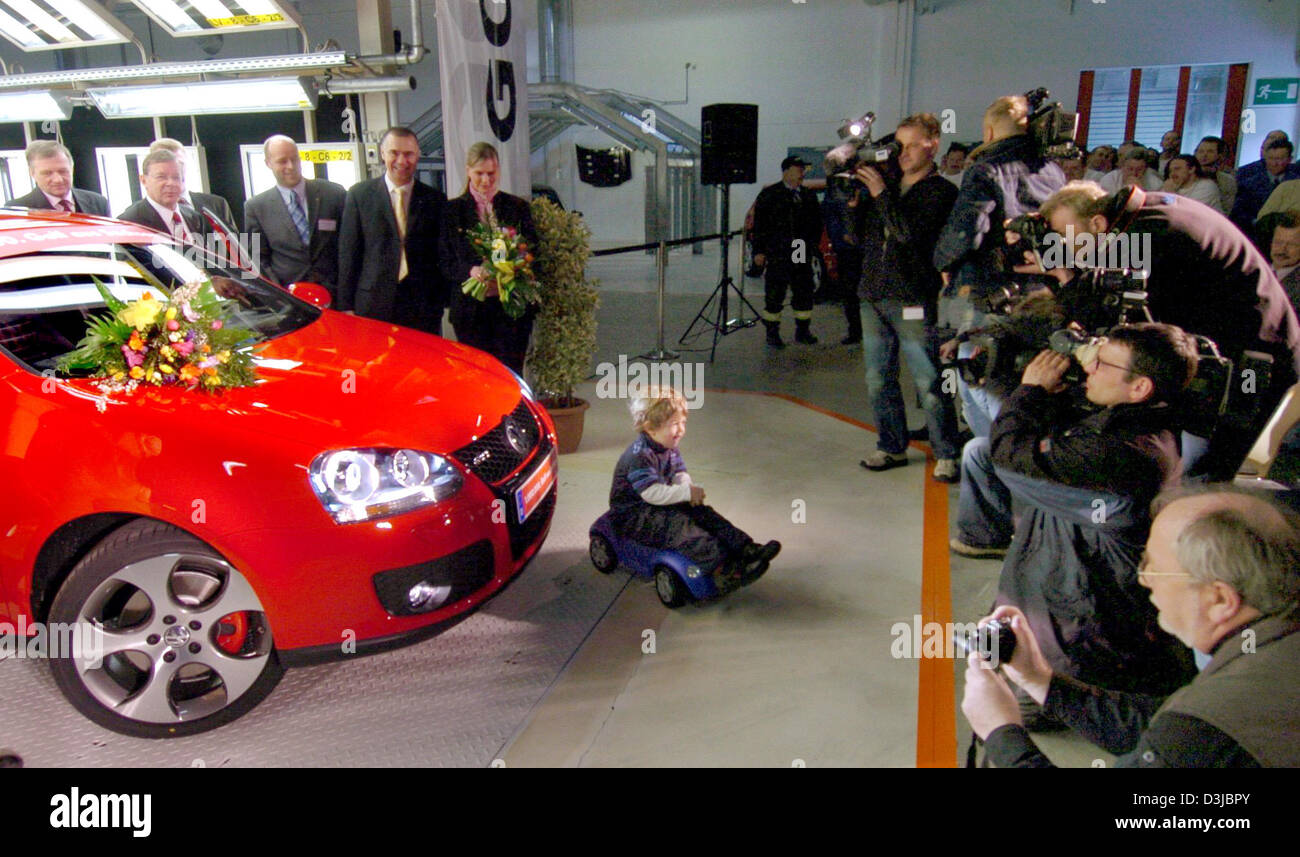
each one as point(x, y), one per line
point(482, 60)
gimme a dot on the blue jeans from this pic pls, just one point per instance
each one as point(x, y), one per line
point(979, 406)
point(884, 334)
point(984, 514)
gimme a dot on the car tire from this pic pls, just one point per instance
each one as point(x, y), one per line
point(603, 555)
point(183, 641)
point(669, 588)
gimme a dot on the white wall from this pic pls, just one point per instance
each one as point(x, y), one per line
point(806, 66)
point(1029, 43)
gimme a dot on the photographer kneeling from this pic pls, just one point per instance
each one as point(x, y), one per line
point(1084, 476)
point(1223, 569)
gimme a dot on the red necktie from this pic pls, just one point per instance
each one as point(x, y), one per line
point(178, 226)
point(66, 205)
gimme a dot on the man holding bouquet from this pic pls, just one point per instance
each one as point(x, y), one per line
point(487, 246)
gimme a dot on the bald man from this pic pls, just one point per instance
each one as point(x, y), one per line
point(1223, 568)
point(297, 220)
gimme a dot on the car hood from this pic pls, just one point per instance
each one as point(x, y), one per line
point(345, 381)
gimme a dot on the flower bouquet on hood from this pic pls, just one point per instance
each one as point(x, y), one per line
point(509, 262)
point(181, 340)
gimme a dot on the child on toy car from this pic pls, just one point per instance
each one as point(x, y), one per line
point(654, 502)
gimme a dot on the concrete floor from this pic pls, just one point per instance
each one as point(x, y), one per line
point(562, 668)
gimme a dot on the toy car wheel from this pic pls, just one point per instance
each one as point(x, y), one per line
point(175, 641)
point(670, 590)
point(603, 555)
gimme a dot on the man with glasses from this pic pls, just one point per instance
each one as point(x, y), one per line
point(1082, 476)
point(1223, 570)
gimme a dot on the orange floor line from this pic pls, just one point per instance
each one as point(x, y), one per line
point(936, 708)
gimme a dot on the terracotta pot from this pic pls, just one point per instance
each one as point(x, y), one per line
point(568, 424)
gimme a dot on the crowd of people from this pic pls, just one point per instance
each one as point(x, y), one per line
point(1117, 591)
point(390, 248)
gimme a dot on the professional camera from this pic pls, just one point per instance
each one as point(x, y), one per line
point(859, 148)
point(1051, 126)
point(995, 642)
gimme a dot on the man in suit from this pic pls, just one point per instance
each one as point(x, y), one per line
point(297, 221)
point(194, 199)
point(50, 165)
point(388, 242)
point(1254, 188)
point(1284, 253)
point(162, 175)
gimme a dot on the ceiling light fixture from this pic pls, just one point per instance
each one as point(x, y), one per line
point(205, 17)
point(46, 25)
point(255, 95)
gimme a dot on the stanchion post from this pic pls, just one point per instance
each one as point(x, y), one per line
point(661, 260)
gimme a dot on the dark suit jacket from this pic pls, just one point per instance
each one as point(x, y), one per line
point(143, 213)
point(457, 256)
point(281, 254)
point(370, 254)
point(1253, 189)
point(219, 207)
point(87, 201)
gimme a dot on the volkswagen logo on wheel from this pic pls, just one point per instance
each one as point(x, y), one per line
point(176, 636)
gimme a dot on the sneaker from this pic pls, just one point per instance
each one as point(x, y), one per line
point(881, 460)
point(945, 470)
point(976, 551)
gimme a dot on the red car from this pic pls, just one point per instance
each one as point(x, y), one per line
point(374, 485)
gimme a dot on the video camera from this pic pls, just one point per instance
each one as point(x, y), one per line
point(1051, 126)
point(859, 148)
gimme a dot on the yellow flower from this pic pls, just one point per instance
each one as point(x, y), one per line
point(499, 245)
point(142, 313)
point(137, 373)
point(171, 313)
point(166, 369)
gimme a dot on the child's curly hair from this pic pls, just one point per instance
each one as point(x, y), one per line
point(657, 406)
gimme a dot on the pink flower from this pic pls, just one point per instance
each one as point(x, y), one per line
point(184, 348)
point(173, 325)
point(133, 358)
point(216, 325)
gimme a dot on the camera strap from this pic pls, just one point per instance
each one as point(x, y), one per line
point(1128, 202)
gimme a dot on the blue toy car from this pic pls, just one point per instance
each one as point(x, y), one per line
point(677, 579)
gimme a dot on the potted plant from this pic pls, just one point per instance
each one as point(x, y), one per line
point(564, 334)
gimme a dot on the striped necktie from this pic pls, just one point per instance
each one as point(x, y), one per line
point(299, 218)
point(66, 205)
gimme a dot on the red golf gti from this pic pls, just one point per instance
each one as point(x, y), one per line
point(374, 485)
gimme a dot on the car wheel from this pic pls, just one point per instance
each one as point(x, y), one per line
point(603, 555)
point(669, 588)
point(179, 641)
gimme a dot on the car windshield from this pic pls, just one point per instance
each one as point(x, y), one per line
point(46, 298)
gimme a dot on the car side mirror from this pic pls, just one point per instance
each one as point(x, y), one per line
point(313, 293)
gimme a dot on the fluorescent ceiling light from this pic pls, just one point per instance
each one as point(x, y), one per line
point(289, 62)
point(203, 17)
point(189, 99)
point(34, 107)
point(44, 25)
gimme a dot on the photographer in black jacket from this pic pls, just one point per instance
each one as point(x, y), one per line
point(1084, 476)
point(1203, 275)
point(901, 216)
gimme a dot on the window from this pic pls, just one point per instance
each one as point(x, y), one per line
point(1118, 104)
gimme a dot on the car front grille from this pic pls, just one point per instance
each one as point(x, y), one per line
point(493, 457)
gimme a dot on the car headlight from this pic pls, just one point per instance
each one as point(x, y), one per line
point(360, 484)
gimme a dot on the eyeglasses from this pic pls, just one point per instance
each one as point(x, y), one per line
point(1145, 564)
point(1097, 361)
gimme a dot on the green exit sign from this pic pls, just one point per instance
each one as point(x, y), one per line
point(1277, 90)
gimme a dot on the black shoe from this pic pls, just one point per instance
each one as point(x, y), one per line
point(757, 558)
point(802, 334)
point(852, 339)
point(774, 334)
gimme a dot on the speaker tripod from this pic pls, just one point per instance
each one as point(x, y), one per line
point(716, 309)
